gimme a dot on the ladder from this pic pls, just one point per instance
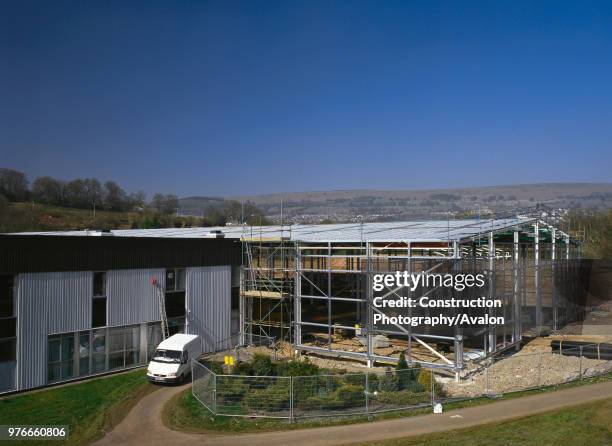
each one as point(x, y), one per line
point(162, 311)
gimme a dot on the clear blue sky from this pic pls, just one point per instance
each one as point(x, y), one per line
point(225, 98)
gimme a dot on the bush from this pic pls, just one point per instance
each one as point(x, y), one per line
point(323, 402)
point(425, 380)
point(350, 394)
point(387, 382)
point(296, 367)
point(261, 365)
point(272, 398)
point(243, 368)
point(230, 390)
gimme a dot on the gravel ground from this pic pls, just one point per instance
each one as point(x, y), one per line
point(522, 371)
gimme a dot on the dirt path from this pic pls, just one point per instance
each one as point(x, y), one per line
point(143, 424)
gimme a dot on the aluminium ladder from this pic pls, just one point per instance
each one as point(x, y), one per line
point(162, 311)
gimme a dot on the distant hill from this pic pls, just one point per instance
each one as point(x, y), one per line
point(371, 204)
point(198, 205)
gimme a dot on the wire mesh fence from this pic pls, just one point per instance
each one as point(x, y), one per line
point(328, 395)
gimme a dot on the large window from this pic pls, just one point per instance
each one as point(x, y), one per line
point(8, 333)
point(124, 347)
point(175, 292)
point(98, 351)
point(175, 279)
point(60, 357)
point(83, 353)
point(90, 352)
point(98, 305)
point(154, 337)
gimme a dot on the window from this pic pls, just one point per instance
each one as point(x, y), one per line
point(235, 298)
point(175, 279)
point(84, 348)
point(175, 292)
point(6, 297)
point(154, 337)
point(176, 325)
point(8, 321)
point(60, 357)
point(98, 352)
point(99, 284)
point(124, 347)
point(98, 305)
point(7, 350)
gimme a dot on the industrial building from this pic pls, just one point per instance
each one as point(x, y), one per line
point(75, 306)
point(79, 303)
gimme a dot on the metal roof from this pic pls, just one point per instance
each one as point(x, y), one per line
point(438, 230)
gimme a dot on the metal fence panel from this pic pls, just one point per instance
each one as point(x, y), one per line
point(328, 395)
point(399, 389)
point(253, 396)
point(203, 385)
point(370, 393)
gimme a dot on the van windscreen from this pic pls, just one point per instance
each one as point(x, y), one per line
point(167, 356)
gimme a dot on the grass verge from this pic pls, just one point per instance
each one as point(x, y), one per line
point(587, 424)
point(185, 413)
point(90, 408)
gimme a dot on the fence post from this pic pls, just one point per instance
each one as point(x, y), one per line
point(433, 401)
point(291, 417)
point(540, 370)
point(581, 362)
point(215, 392)
point(487, 366)
point(367, 394)
point(192, 378)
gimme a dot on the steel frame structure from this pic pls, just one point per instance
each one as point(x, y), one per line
point(529, 266)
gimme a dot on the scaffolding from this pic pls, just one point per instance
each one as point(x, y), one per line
point(313, 287)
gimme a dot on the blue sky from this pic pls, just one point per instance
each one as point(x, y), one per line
point(227, 98)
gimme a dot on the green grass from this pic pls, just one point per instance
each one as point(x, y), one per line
point(89, 408)
point(39, 217)
point(185, 413)
point(585, 425)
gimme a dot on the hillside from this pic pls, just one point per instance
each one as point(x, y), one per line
point(347, 205)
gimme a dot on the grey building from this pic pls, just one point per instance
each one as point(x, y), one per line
point(76, 306)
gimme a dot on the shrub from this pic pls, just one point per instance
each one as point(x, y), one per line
point(296, 367)
point(356, 379)
point(243, 368)
point(425, 380)
point(261, 365)
point(387, 382)
point(323, 402)
point(272, 398)
point(350, 394)
point(230, 389)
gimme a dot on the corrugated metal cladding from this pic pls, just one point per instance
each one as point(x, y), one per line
point(208, 301)
point(48, 303)
point(39, 253)
point(131, 297)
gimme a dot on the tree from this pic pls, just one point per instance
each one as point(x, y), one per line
point(138, 200)
point(171, 204)
point(165, 204)
point(404, 375)
point(13, 184)
point(75, 194)
point(48, 190)
point(115, 198)
point(93, 191)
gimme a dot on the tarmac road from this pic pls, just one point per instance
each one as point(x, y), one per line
point(143, 424)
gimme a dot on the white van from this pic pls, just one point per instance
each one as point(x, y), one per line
point(171, 362)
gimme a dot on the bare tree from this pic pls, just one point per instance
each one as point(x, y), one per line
point(48, 190)
point(13, 184)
